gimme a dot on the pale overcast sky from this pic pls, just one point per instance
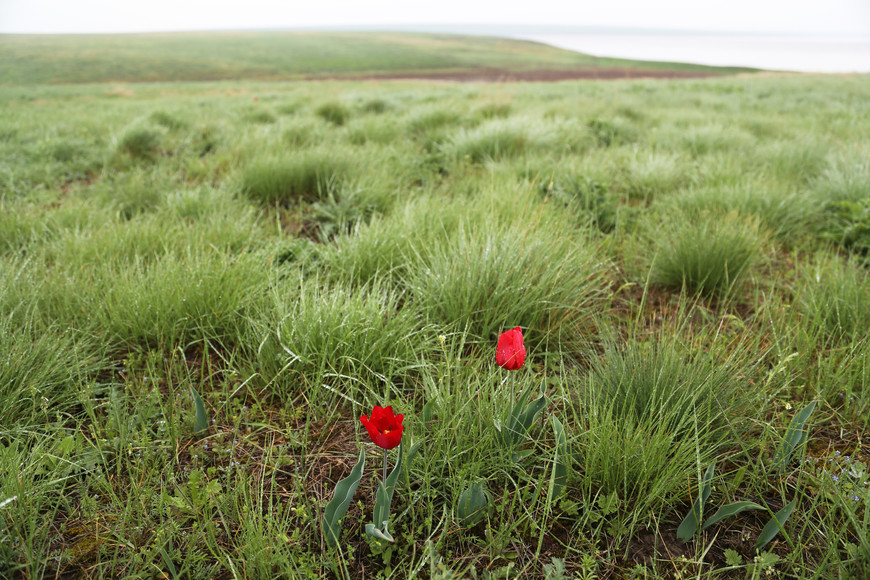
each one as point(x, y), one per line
point(848, 17)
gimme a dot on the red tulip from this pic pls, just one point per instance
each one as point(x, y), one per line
point(385, 427)
point(510, 353)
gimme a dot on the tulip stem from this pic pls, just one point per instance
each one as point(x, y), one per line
point(385, 467)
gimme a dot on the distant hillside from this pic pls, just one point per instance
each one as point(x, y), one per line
point(210, 56)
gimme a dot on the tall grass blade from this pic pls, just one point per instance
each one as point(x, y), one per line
point(560, 461)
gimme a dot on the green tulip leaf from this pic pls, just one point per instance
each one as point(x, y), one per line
point(473, 505)
point(379, 533)
point(518, 456)
point(507, 432)
point(522, 417)
point(775, 525)
point(343, 495)
point(795, 436)
point(200, 423)
point(692, 522)
point(524, 421)
point(384, 494)
point(732, 509)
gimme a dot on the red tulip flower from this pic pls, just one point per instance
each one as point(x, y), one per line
point(385, 427)
point(510, 352)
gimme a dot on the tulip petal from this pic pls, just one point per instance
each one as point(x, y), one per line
point(384, 428)
point(510, 352)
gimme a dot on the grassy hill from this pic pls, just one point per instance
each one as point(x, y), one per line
point(204, 56)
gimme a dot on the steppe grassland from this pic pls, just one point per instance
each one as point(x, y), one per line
point(687, 260)
point(286, 55)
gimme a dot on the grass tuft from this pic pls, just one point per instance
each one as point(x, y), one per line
point(487, 277)
point(709, 255)
point(307, 176)
point(140, 142)
point(334, 112)
point(356, 340)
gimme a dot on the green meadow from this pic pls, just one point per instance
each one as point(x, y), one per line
point(289, 55)
point(203, 286)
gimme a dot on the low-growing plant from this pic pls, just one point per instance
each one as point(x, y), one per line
point(64, 152)
point(168, 120)
point(133, 192)
point(432, 119)
point(375, 106)
point(497, 139)
point(386, 246)
point(714, 139)
point(841, 376)
point(493, 110)
point(473, 505)
point(333, 112)
point(341, 211)
point(373, 130)
point(215, 219)
point(353, 340)
point(659, 384)
point(795, 439)
point(652, 175)
point(34, 471)
point(611, 132)
point(173, 300)
point(834, 297)
point(650, 410)
point(488, 272)
point(796, 161)
point(709, 255)
point(44, 368)
point(307, 176)
point(19, 225)
point(787, 215)
point(262, 116)
point(302, 132)
point(140, 142)
point(589, 200)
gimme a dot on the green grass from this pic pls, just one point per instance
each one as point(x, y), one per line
point(686, 260)
point(710, 254)
point(311, 175)
point(210, 56)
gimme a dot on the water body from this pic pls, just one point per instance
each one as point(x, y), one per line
point(822, 54)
